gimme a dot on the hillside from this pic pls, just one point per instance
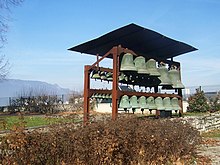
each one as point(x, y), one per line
point(16, 87)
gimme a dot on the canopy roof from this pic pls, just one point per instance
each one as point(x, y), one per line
point(142, 41)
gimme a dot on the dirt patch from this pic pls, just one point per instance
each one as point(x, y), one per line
point(210, 149)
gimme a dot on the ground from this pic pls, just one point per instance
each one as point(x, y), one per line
point(210, 149)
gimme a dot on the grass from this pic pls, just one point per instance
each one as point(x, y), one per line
point(195, 113)
point(212, 134)
point(7, 122)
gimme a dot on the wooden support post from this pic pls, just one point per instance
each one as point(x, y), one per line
point(86, 93)
point(115, 84)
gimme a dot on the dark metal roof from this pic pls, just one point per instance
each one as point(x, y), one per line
point(142, 41)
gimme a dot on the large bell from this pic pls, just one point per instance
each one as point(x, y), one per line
point(164, 75)
point(143, 103)
point(141, 65)
point(175, 103)
point(124, 103)
point(167, 104)
point(95, 74)
point(159, 104)
point(174, 75)
point(151, 103)
point(134, 102)
point(152, 68)
point(127, 63)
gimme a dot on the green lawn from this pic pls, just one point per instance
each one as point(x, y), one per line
point(195, 113)
point(212, 134)
point(7, 122)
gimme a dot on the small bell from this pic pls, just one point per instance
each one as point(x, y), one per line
point(109, 76)
point(95, 74)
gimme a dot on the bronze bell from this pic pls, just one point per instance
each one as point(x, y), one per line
point(152, 68)
point(175, 104)
point(164, 75)
point(95, 95)
point(167, 104)
point(143, 103)
point(103, 75)
point(127, 63)
point(159, 103)
point(151, 103)
point(121, 77)
point(174, 75)
point(95, 74)
point(141, 65)
point(109, 76)
point(134, 102)
point(124, 103)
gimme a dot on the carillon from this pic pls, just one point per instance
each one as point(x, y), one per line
point(135, 52)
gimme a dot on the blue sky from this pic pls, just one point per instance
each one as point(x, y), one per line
point(41, 32)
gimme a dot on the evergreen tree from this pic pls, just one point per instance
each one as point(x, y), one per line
point(198, 102)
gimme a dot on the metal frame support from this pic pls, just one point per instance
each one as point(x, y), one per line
point(181, 96)
point(115, 84)
point(86, 94)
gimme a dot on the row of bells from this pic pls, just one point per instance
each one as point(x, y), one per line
point(142, 102)
point(159, 103)
point(101, 96)
point(146, 74)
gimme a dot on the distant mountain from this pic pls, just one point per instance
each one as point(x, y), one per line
point(16, 87)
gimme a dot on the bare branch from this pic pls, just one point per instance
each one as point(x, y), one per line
point(5, 10)
point(4, 68)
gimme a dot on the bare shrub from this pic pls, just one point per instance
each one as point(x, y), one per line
point(125, 141)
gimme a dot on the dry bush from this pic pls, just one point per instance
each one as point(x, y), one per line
point(125, 141)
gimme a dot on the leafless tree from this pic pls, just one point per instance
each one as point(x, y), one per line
point(5, 10)
point(4, 68)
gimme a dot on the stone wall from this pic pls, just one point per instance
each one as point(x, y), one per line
point(204, 123)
